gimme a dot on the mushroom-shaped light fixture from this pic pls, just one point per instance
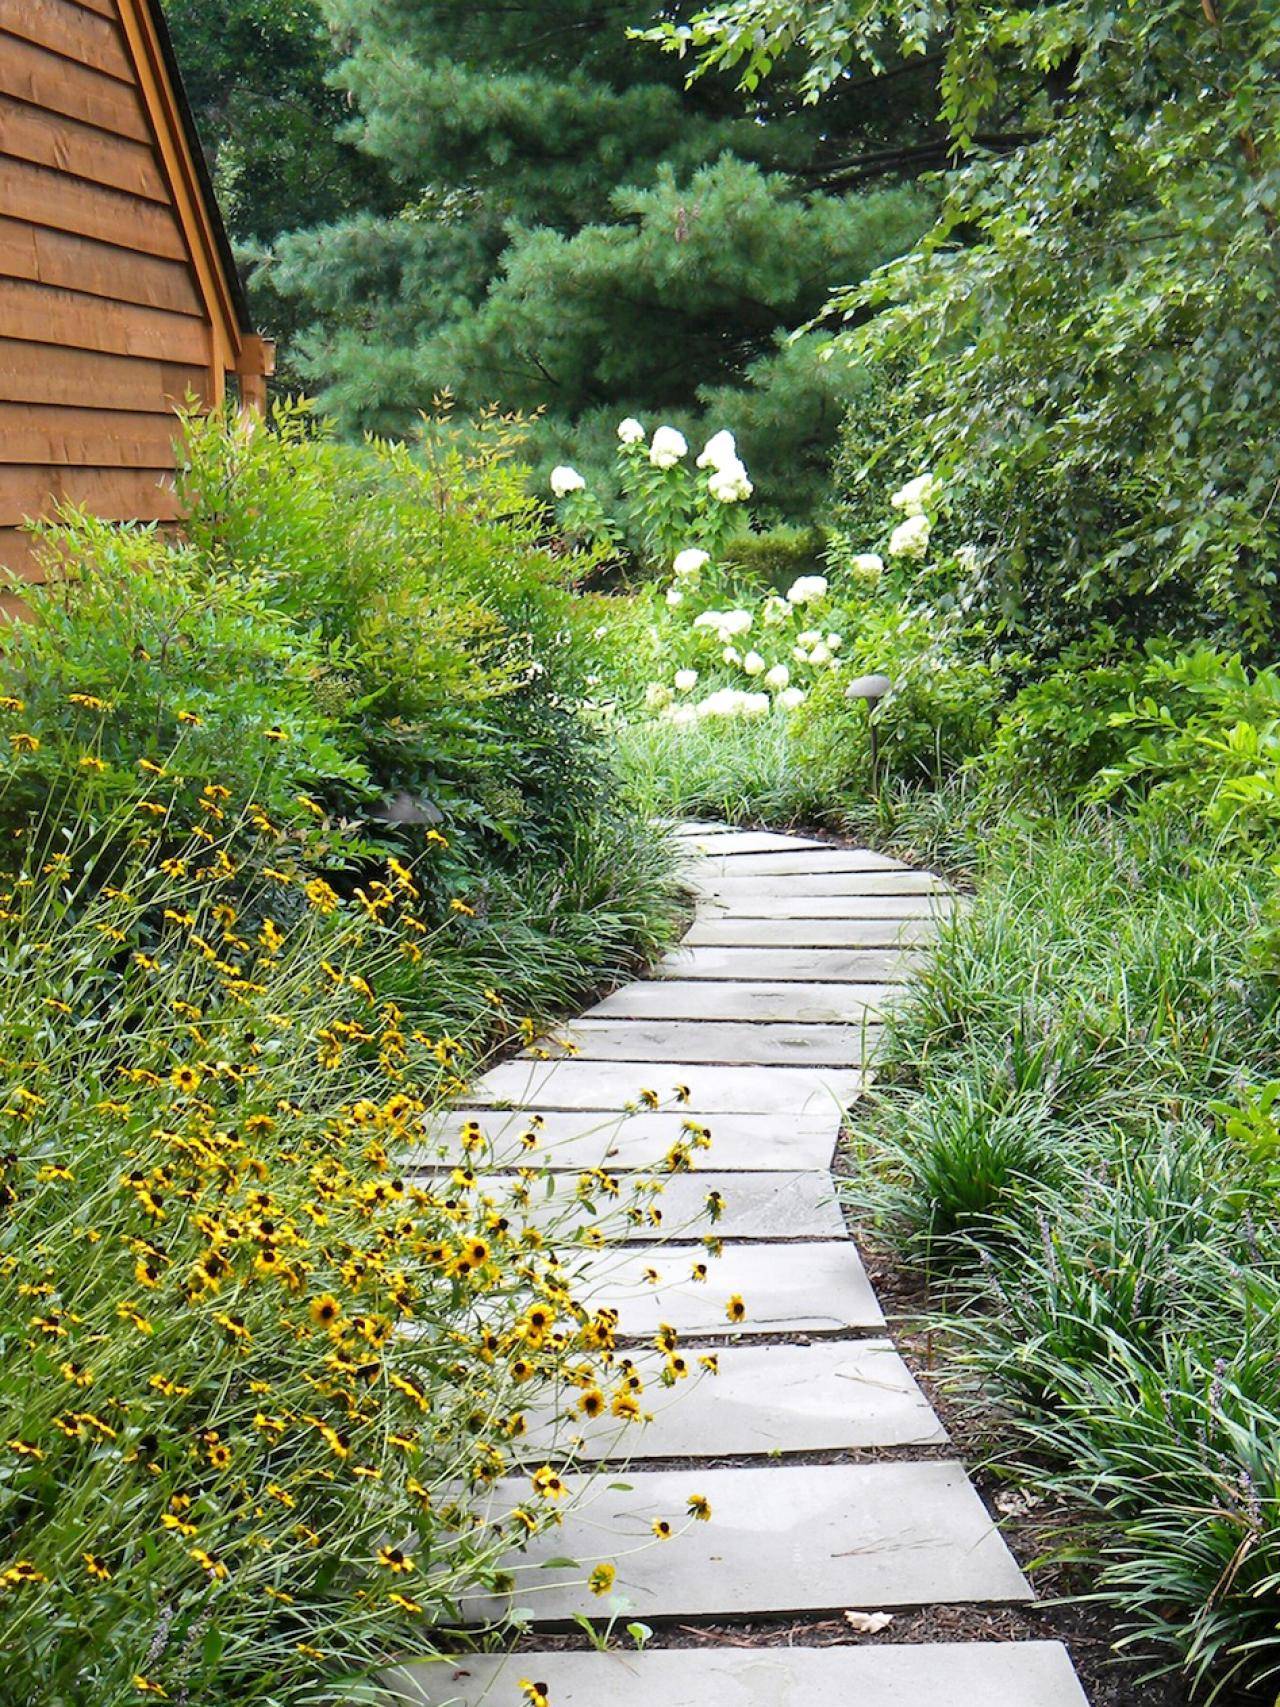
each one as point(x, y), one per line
point(871, 690)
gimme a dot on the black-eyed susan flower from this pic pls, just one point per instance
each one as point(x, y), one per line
point(97, 1567)
point(700, 1507)
point(395, 1560)
point(661, 1528)
point(735, 1310)
point(536, 1694)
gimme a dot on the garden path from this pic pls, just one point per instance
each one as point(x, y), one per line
point(827, 1472)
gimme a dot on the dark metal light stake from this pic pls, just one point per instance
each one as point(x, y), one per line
point(871, 690)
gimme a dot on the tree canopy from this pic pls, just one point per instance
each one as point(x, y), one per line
point(1087, 337)
point(578, 233)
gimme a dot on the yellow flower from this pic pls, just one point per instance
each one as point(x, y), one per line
point(661, 1528)
point(326, 1312)
point(186, 1078)
point(735, 1310)
point(24, 743)
point(397, 1562)
point(403, 1602)
point(700, 1507)
point(602, 1579)
point(188, 717)
point(147, 1687)
point(535, 1693)
point(216, 1569)
point(96, 1567)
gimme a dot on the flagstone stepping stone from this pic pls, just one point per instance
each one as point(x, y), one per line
point(804, 1004)
point(733, 889)
point(826, 1397)
point(805, 861)
point(798, 965)
point(718, 840)
point(713, 1089)
point(809, 1539)
point(575, 1140)
point(736, 932)
point(709, 1041)
point(776, 1205)
point(867, 911)
point(810, 1287)
point(776, 905)
point(935, 1674)
point(765, 905)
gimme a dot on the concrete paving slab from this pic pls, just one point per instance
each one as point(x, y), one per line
point(787, 1289)
point(762, 904)
point(791, 965)
point(740, 1041)
point(881, 884)
point(937, 1674)
point(733, 931)
point(827, 1397)
point(572, 1139)
point(781, 1205)
point(722, 839)
point(812, 1538)
point(801, 1004)
point(714, 1089)
point(868, 911)
point(804, 860)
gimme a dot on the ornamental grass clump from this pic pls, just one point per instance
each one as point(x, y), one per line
point(255, 1379)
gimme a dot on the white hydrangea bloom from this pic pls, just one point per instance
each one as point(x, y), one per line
point(675, 598)
point(775, 610)
point(682, 713)
point(821, 654)
point(809, 637)
point(718, 451)
point(790, 698)
point(730, 484)
point(756, 704)
point(734, 622)
point(753, 664)
point(565, 480)
point(630, 431)
point(800, 655)
point(689, 561)
point(835, 641)
point(910, 538)
point(667, 447)
point(912, 498)
point(657, 695)
point(733, 702)
point(807, 590)
point(731, 655)
point(708, 619)
point(686, 680)
point(778, 677)
point(867, 564)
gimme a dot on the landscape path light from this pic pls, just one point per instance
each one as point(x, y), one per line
point(870, 690)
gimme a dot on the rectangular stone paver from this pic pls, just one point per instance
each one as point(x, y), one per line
point(733, 887)
point(794, 965)
point(805, 861)
point(826, 1397)
point(719, 840)
point(615, 1084)
point(810, 1539)
point(732, 931)
point(781, 1205)
point(702, 999)
point(768, 904)
point(738, 1041)
point(786, 1288)
point(936, 1674)
point(576, 1139)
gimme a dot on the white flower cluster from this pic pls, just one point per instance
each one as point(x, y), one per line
point(812, 648)
point(688, 562)
point(630, 432)
point(725, 623)
point(728, 481)
point(807, 590)
point(565, 480)
point(910, 539)
point(667, 447)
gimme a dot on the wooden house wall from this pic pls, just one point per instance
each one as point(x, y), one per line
point(104, 326)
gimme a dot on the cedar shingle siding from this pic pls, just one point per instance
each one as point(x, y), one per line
point(117, 295)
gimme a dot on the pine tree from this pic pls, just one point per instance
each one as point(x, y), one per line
point(579, 233)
